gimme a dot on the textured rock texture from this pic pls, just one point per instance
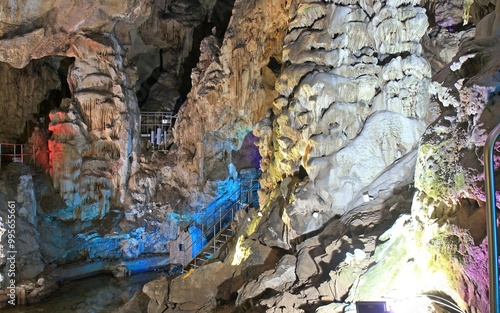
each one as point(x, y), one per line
point(369, 127)
point(233, 89)
point(356, 184)
point(47, 26)
point(19, 212)
point(161, 47)
point(353, 99)
point(94, 136)
point(22, 94)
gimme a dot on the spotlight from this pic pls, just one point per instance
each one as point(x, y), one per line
point(315, 214)
point(367, 197)
point(371, 307)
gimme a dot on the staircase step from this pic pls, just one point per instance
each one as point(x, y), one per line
point(221, 231)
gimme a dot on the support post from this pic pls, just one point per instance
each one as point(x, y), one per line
point(491, 226)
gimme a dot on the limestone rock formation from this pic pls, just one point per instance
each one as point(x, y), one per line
point(234, 89)
point(357, 104)
point(20, 214)
point(370, 118)
point(20, 103)
point(346, 155)
point(46, 27)
point(97, 128)
point(160, 48)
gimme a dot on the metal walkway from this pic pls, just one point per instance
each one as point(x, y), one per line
point(216, 229)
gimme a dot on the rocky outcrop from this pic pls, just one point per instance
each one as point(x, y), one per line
point(353, 99)
point(19, 216)
point(100, 124)
point(201, 290)
point(99, 127)
point(23, 92)
point(46, 27)
point(359, 197)
point(233, 90)
point(163, 50)
point(352, 181)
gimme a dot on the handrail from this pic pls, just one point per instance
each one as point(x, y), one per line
point(224, 210)
point(253, 182)
point(14, 153)
point(156, 126)
point(214, 231)
point(207, 231)
point(210, 217)
point(491, 225)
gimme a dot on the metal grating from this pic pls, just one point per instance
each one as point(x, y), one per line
point(156, 126)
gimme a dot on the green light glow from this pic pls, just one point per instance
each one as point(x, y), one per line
point(241, 252)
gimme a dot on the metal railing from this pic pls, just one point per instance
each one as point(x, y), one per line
point(491, 225)
point(215, 224)
point(156, 126)
point(212, 233)
point(15, 151)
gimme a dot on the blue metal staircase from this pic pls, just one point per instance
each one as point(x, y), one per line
point(216, 229)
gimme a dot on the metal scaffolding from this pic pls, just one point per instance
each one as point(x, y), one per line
point(156, 126)
point(14, 151)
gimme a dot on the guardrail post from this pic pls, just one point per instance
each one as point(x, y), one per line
point(491, 226)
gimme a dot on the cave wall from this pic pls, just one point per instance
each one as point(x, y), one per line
point(94, 142)
point(22, 92)
point(352, 100)
point(233, 87)
point(408, 228)
point(171, 33)
point(342, 95)
point(94, 136)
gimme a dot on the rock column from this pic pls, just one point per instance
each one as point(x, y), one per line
point(94, 135)
point(352, 100)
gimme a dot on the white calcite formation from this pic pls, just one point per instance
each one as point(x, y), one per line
point(338, 91)
point(19, 213)
point(353, 99)
point(342, 141)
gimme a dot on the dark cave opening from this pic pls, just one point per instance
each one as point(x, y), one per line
point(275, 66)
point(55, 96)
point(52, 99)
point(189, 63)
point(221, 15)
point(143, 93)
point(219, 19)
point(215, 24)
point(248, 155)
